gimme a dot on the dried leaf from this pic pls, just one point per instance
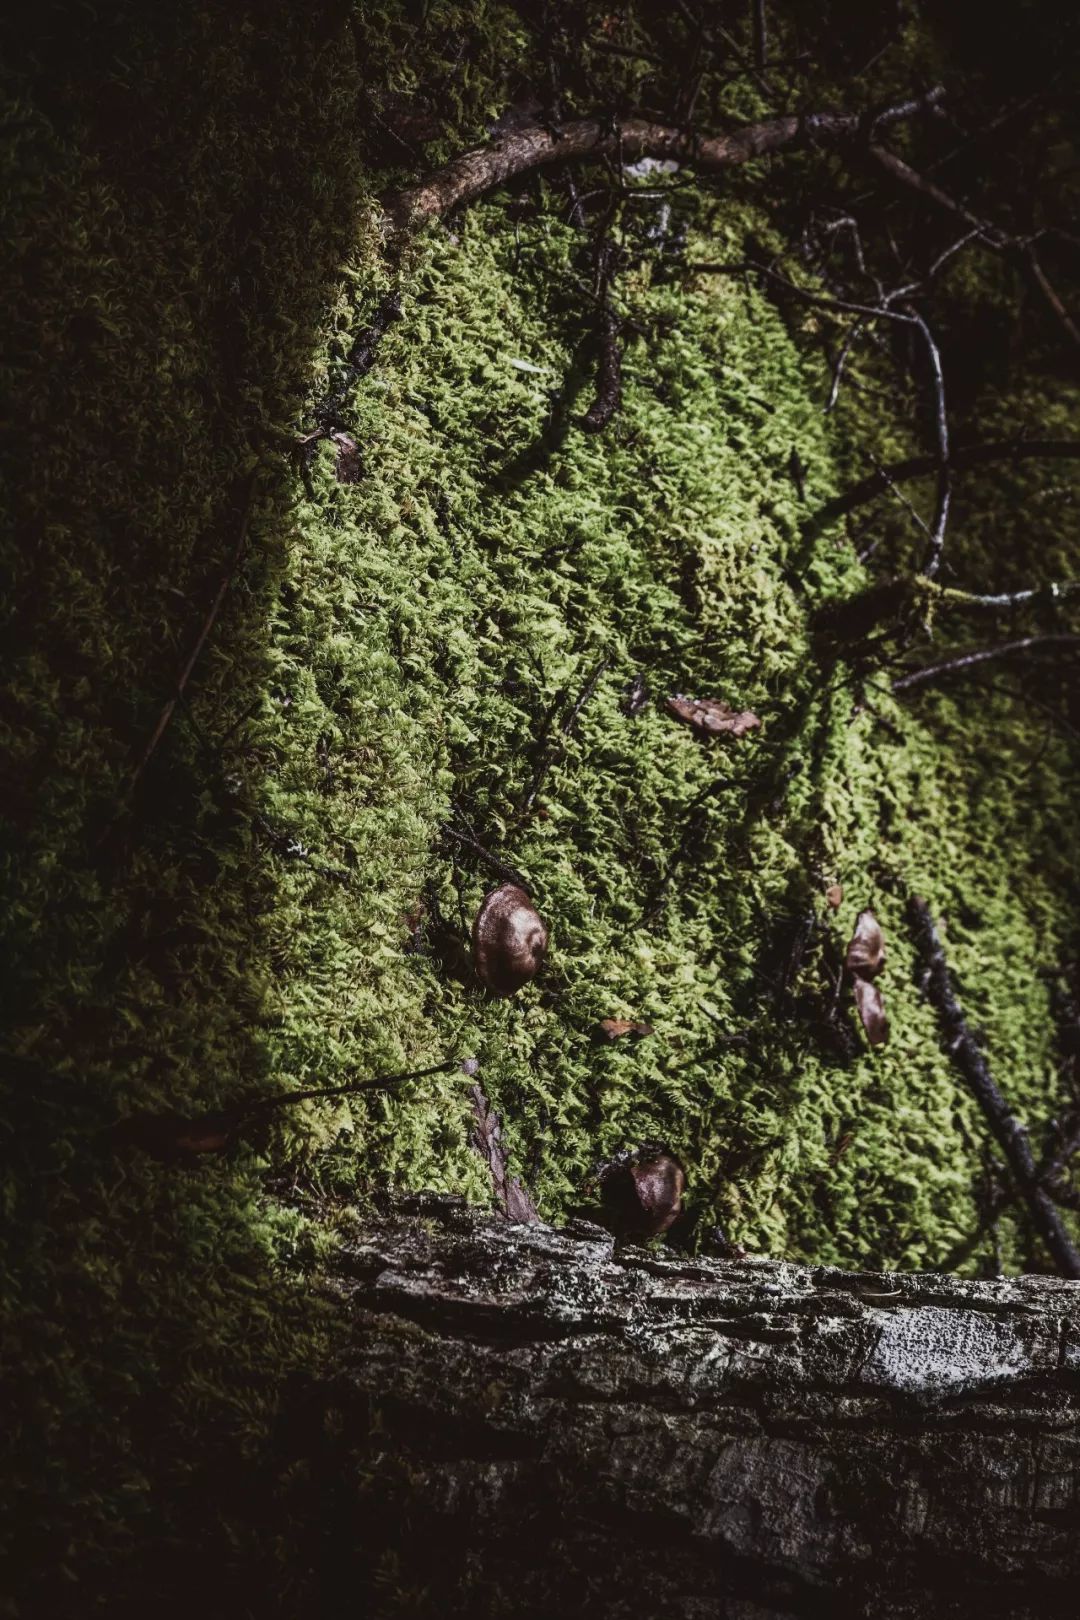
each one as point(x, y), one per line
point(348, 467)
point(204, 1141)
point(487, 1140)
point(834, 895)
point(709, 717)
point(612, 1029)
point(174, 1137)
point(866, 948)
point(871, 1010)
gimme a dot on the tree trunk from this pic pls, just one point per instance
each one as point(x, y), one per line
point(537, 1424)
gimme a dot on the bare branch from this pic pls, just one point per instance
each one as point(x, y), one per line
point(941, 428)
point(968, 1057)
point(204, 631)
point(609, 372)
point(841, 361)
point(1000, 241)
point(1007, 599)
point(761, 33)
point(972, 455)
point(472, 173)
point(982, 655)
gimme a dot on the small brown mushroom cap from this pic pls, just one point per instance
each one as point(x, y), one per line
point(642, 1196)
point(510, 940)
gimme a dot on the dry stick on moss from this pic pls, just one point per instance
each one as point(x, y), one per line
point(693, 826)
point(378, 1082)
point(474, 172)
point(567, 728)
point(881, 312)
point(1054, 1165)
point(609, 372)
point(358, 363)
point(1048, 1173)
point(970, 1060)
point(212, 1132)
point(981, 655)
point(486, 1139)
point(471, 174)
point(204, 631)
point(508, 873)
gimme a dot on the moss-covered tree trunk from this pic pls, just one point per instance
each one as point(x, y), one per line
point(540, 1424)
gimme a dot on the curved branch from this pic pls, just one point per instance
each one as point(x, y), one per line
point(468, 176)
point(944, 470)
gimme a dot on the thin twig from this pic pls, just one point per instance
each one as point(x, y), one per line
point(609, 372)
point(819, 300)
point(941, 429)
point(486, 1139)
point(204, 631)
point(841, 361)
point(378, 1082)
point(982, 655)
point(508, 873)
point(761, 34)
point(170, 1134)
point(587, 692)
point(691, 828)
point(1006, 599)
point(903, 499)
point(567, 728)
point(358, 363)
point(971, 1062)
point(993, 236)
point(1050, 293)
point(972, 455)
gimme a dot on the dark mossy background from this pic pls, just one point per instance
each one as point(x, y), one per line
point(193, 231)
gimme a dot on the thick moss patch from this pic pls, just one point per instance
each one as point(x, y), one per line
point(397, 677)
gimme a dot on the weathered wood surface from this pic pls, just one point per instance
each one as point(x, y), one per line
point(539, 1425)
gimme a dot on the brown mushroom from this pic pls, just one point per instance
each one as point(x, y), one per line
point(642, 1195)
point(510, 940)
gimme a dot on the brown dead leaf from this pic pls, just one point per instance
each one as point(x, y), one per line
point(203, 1141)
point(348, 466)
point(710, 717)
point(174, 1137)
point(487, 1141)
point(871, 1010)
point(866, 948)
point(834, 895)
point(612, 1029)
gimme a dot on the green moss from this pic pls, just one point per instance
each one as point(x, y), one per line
point(277, 904)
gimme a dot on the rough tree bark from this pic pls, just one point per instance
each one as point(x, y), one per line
point(538, 1424)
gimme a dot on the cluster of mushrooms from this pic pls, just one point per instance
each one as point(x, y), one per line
point(640, 1193)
